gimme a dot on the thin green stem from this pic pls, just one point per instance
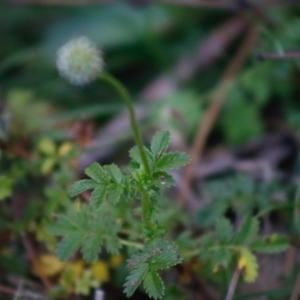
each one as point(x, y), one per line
point(122, 91)
point(131, 244)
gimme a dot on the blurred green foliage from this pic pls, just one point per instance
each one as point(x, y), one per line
point(41, 150)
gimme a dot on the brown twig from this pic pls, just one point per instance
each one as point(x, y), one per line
point(33, 258)
point(212, 112)
point(233, 283)
point(6, 290)
point(280, 56)
point(290, 260)
point(296, 290)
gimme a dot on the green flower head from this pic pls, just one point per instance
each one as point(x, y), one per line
point(79, 61)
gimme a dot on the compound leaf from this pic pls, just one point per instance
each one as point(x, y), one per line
point(157, 255)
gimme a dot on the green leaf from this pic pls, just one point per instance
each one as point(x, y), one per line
point(248, 263)
point(157, 255)
point(69, 245)
point(163, 255)
point(134, 153)
point(224, 230)
point(114, 172)
point(91, 247)
point(62, 226)
point(135, 278)
point(81, 186)
point(98, 195)
point(162, 179)
point(114, 193)
point(207, 215)
point(172, 160)
point(6, 185)
point(154, 285)
point(112, 245)
point(221, 257)
point(272, 244)
point(89, 229)
point(160, 142)
point(247, 232)
point(95, 171)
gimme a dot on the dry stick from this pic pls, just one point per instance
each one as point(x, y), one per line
point(32, 256)
point(280, 56)
point(233, 283)
point(296, 290)
point(212, 112)
point(290, 260)
point(6, 290)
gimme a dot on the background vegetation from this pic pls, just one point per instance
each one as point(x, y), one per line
point(221, 76)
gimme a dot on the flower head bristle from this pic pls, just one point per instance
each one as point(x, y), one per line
point(79, 61)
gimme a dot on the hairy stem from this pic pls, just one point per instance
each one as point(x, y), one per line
point(122, 91)
point(145, 209)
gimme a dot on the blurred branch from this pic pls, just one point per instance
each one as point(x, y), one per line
point(201, 3)
point(280, 56)
point(233, 283)
point(207, 52)
point(62, 2)
point(6, 290)
point(213, 110)
point(296, 290)
point(34, 260)
point(229, 5)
